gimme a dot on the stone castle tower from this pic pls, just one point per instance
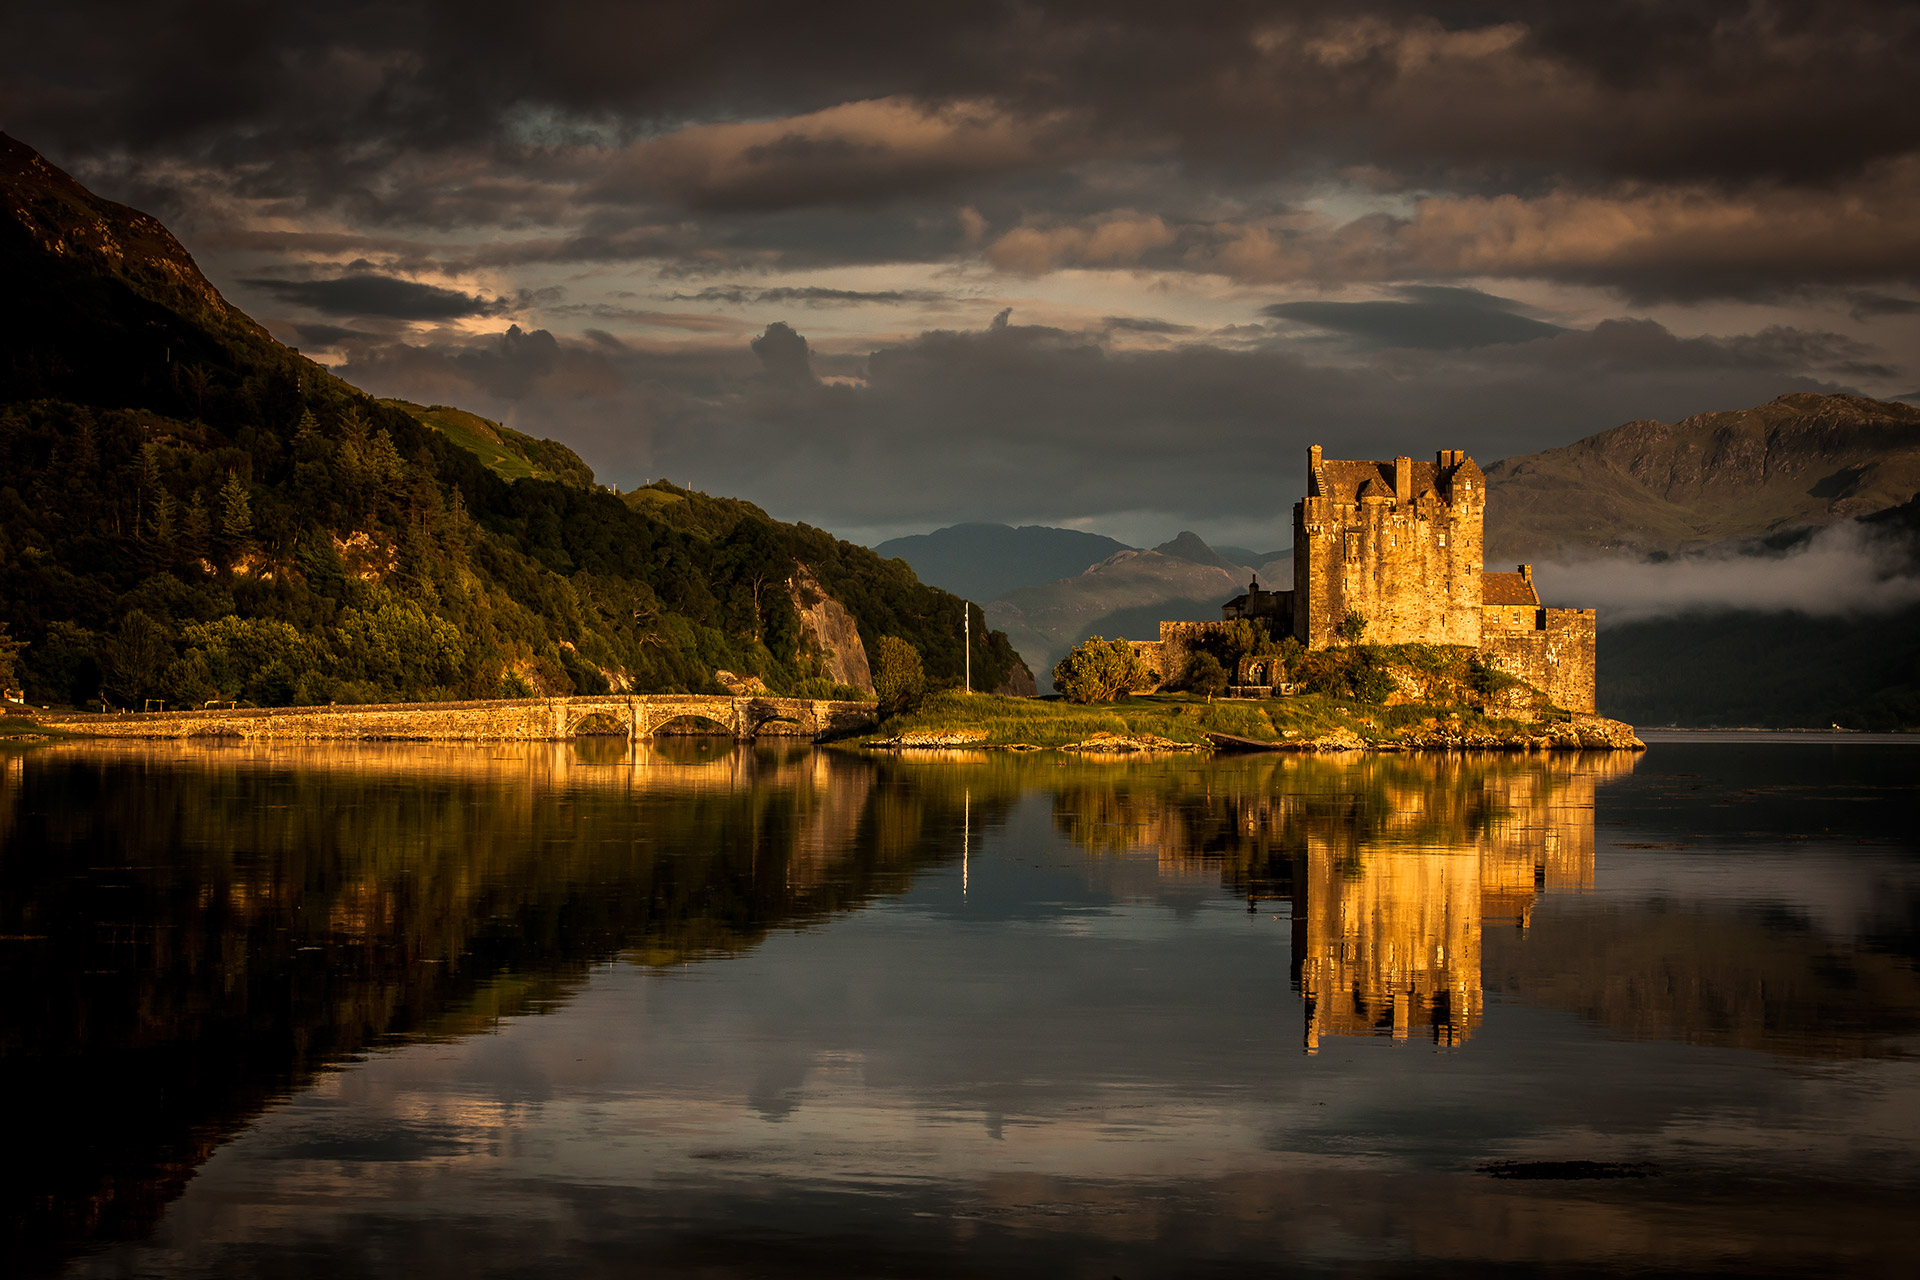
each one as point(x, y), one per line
point(1399, 543)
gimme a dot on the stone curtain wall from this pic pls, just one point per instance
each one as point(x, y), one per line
point(504, 720)
point(1555, 655)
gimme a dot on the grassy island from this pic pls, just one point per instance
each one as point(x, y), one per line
point(1361, 697)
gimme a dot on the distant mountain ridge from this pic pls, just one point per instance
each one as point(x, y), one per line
point(1126, 595)
point(1800, 460)
point(979, 561)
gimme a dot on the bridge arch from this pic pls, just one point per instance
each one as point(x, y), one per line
point(693, 723)
point(652, 717)
point(594, 721)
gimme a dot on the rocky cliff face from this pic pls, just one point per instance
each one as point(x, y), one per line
point(1019, 683)
point(833, 630)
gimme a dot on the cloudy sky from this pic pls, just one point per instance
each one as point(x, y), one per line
point(884, 267)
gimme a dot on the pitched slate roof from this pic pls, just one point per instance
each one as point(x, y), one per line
point(1507, 588)
point(1342, 480)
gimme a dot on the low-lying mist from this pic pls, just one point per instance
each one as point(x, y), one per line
point(1844, 569)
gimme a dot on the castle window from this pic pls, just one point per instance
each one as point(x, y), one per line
point(1443, 539)
point(1353, 546)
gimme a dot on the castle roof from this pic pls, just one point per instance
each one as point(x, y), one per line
point(1342, 480)
point(1508, 588)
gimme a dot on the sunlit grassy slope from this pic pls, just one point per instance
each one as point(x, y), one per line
point(507, 453)
point(1177, 716)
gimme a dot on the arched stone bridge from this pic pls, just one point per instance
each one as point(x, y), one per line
point(502, 720)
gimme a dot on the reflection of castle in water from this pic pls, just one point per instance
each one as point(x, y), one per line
point(1388, 924)
point(1394, 868)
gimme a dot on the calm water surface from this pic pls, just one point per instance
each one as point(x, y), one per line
point(687, 1010)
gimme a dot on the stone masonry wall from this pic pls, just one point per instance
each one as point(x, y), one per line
point(1556, 655)
point(502, 720)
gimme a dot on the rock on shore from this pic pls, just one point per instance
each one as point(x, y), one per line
point(1582, 733)
point(920, 739)
point(1130, 742)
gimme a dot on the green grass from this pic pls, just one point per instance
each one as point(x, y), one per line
point(1178, 716)
point(16, 728)
point(474, 434)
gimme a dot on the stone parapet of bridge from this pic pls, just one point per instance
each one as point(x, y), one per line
point(499, 720)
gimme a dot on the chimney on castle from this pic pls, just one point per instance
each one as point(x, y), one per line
point(1403, 480)
point(1526, 571)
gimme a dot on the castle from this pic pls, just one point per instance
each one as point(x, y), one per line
point(1399, 545)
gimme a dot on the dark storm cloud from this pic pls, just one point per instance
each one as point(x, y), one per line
point(1736, 88)
point(1009, 420)
point(1433, 318)
point(1143, 324)
point(784, 355)
point(1867, 304)
point(329, 335)
point(383, 296)
point(812, 296)
point(439, 114)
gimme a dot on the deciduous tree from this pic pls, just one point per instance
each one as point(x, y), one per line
point(898, 678)
point(1100, 670)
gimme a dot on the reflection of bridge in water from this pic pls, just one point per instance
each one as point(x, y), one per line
point(497, 720)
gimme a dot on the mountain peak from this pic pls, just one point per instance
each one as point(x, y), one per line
point(65, 221)
point(982, 561)
point(1188, 545)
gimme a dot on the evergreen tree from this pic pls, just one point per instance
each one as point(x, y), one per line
point(150, 483)
point(236, 510)
point(9, 659)
point(160, 518)
point(196, 527)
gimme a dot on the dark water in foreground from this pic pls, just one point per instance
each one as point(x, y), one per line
point(583, 1011)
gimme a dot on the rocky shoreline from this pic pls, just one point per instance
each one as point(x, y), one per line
point(1581, 733)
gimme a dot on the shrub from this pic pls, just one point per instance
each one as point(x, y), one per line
point(1204, 674)
point(1352, 628)
point(826, 687)
point(1369, 676)
point(1099, 670)
point(1362, 673)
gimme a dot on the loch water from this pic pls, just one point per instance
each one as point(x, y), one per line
point(608, 1009)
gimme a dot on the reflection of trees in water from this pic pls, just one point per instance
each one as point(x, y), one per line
point(1393, 864)
point(193, 931)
